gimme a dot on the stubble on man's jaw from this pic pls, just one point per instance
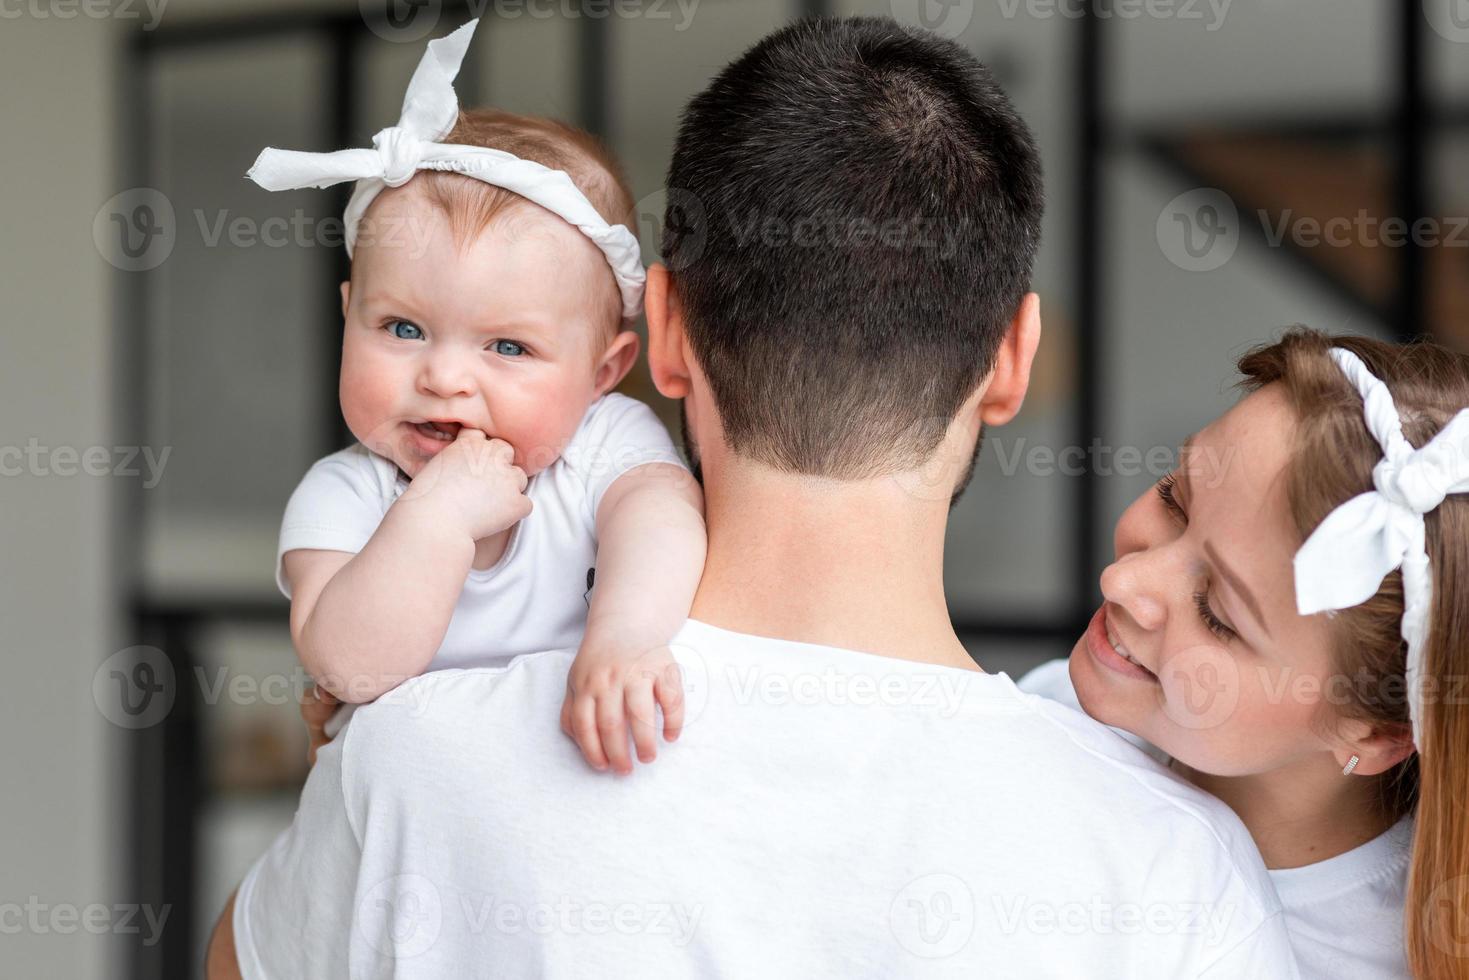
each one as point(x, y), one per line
point(690, 448)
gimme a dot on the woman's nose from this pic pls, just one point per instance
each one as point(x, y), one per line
point(1134, 582)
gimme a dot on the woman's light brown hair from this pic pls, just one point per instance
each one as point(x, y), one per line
point(1332, 462)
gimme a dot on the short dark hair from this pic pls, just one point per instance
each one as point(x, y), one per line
point(854, 208)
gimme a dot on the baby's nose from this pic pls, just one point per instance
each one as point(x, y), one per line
point(446, 377)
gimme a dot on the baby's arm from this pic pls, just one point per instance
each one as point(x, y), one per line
point(650, 554)
point(364, 623)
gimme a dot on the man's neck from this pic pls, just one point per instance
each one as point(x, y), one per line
point(856, 565)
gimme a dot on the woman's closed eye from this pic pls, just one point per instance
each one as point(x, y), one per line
point(1216, 625)
point(1166, 488)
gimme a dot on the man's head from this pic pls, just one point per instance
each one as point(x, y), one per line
point(854, 211)
point(471, 306)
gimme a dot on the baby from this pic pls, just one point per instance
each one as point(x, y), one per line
point(501, 499)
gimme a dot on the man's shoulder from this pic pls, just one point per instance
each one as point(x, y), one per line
point(1109, 811)
point(1178, 816)
point(451, 698)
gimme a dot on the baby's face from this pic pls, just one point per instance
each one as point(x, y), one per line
point(507, 334)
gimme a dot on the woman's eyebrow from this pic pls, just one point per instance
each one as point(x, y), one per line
point(1225, 572)
point(1238, 584)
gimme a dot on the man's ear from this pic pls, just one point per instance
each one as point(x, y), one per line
point(617, 360)
point(666, 361)
point(1377, 749)
point(346, 295)
point(1011, 377)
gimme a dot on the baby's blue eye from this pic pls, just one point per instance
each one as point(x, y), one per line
point(404, 330)
point(508, 348)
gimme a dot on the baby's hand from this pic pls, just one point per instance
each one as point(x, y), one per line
point(317, 707)
point(474, 484)
point(610, 691)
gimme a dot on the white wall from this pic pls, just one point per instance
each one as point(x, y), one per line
point(60, 811)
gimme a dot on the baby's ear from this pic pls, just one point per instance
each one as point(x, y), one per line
point(346, 295)
point(617, 360)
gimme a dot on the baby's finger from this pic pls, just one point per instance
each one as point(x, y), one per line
point(613, 730)
point(642, 718)
point(566, 712)
point(584, 731)
point(668, 688)
point(317, 705)
point(524, 506)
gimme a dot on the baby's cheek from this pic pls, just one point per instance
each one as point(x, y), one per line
point(543, 421)
point(544, 439)
point(368, 399)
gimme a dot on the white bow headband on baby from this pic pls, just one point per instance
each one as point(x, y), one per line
point(430, 109)
point(1345, 559)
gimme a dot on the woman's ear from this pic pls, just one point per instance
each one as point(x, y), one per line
point(1010, 379)
point(665, 334)
point(1377, 749)
point(617, 360)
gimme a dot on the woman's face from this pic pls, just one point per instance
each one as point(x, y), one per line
point(1198, 647)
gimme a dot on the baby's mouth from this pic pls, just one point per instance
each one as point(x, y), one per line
point(442, 431)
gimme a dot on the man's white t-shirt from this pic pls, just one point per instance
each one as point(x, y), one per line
point(826, 813)
point(536, 596)
point(1344, 914)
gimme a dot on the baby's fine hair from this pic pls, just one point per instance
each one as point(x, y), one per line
point(472, 205)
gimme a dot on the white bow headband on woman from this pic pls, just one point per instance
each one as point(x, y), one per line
point(1343, 562)
point(430, 109)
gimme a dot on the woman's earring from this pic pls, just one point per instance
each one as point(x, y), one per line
point(1347, 771)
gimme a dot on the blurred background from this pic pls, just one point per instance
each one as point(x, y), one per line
point(1216, 170)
